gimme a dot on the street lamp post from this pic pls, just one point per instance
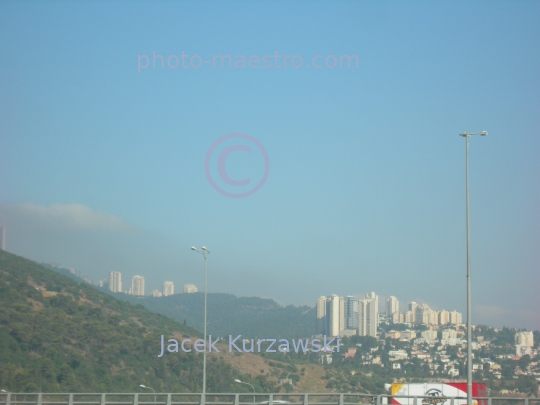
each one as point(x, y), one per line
point(240, 382)
point(467, 135)
point(205, 252)
point(149, 388)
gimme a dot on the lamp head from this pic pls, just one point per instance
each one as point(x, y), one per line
point(483, 133)
point(238, 381)
point(193, 248)
point(204, 248)
point(141, 385)
point(463, 134)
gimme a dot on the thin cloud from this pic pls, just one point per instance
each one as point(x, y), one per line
point(491, 311)
point(494, 315)
point(70, 217)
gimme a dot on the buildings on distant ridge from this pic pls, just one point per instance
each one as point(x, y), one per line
point(138, 286)
point(190, 288)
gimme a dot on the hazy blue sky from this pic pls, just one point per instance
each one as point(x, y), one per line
point(102, 160)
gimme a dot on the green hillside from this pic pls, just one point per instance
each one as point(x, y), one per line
point(58, 335)
point(250, 317)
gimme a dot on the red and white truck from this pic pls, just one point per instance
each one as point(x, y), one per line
point(434, 393)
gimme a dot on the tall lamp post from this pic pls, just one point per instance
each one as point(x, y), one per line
point(240, 382)
point(205, 252)
point(467, 135)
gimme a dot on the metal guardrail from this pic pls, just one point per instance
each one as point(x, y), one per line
point(246, 399)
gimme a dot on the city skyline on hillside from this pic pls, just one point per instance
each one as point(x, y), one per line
point(414, 314)
point(324, 156)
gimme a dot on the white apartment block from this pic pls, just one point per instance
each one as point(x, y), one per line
point(422, 314)
point(412, 309)
point(524, 338)
point(408, 317)
point(455, 318)
point(429, 334)
point(137, 286)
point(156, 293)
point(524, 343)
point(449, 334)
point(335, 315)
point(408, 335)
point(398, 317)
point(368, 314)
point(190, 288)
point(115, 281)
point(392, 305)
point(168, 288)
point(444, 317)
point(393, 334)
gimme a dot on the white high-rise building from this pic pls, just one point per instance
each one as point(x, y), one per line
point(375, 297)
point(422, 315)
point(524, 338)
point(190, 288)
point(137, 285)
point(444, 317)
point(408, 317)
point(368, 315)
point(335, 315)
point(321, 315)
point(455, 318)
point(412, 308)
point(168, 288)
point(115, 281)
point(392, 305)
point(156, 293)
point(524, 343)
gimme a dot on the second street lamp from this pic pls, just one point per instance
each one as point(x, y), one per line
point(467, 135)
point(149, 388)
point(240, 382)
point(205, 252)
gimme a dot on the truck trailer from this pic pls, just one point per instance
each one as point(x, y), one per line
point(434, 393)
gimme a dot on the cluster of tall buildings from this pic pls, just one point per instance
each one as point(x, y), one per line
point(138, 286)
point(346, 316)
point(354, 315)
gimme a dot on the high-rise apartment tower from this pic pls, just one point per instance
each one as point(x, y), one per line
point(168, 288)
point(368, 315)
point(137, 285)
point(392, 305)
point(115, 281)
